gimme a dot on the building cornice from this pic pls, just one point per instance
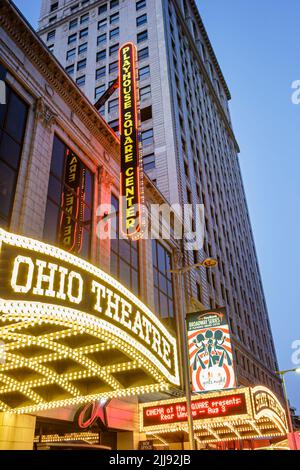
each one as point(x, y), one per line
point(16, 26)
point(210, 48)
point(205, 74)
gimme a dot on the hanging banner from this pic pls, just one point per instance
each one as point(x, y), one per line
point(130, 177)
point(210, 351)
point(70, 231)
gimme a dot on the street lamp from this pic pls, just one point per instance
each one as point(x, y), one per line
point(179, 272)
point(290, 422)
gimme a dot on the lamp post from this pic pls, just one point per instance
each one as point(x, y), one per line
point(179, 273)
point(290, 422)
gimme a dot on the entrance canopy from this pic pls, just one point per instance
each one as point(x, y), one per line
point(70, 333)
point(241, 413)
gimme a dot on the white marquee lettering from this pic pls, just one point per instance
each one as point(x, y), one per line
point(14, 280)
point(45, 278)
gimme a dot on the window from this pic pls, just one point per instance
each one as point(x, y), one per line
point(141, 4)
point(144, 72)
point(101, 55)
point(102, 24)
point(84, 18)
point(143, 36)
point(113, 67)
point(149, 162)
point(51, 35)
point(114, 18)
point(145, 92)
point(74, 7)
point(71, 54)
point(101, 39)
point(113, 49)
point(73, 23)
point(59, 192)
point(83, 33)
point(147, 137)
point(13, 117)
point(100, 73)
point(124, 255)
point(102, 9)
point(114, 33)
point(70, 70)
point(72, 38)
point(141, 20)
point(81, 81)
point(146, 113)
point(163, 286)
point(81, 64)
point(114, 3)
point(82, 48)
point(54, 6)
point(113, 105)
point(99, 91)
point(114, 125)
point(54, 18)
point(143, 53)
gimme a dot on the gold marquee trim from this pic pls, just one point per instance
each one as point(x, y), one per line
point(251, 425)
point(54, 356)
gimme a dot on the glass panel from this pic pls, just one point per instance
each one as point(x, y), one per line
point(88, 187)
point(124, 273)
point(7, 185)
point(156, 301)
point(135, 282)
point(161, 258)
point(9, 150)
point(113, 264)
point(163, 305)
point(124, 248)
point(58, 157)
point(16, 117)
point(51, 220)
point(154, 255)
point(54, 190)
point(162, 283)
point(85, 244)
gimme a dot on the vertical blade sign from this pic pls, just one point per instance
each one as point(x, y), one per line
point(130, 177)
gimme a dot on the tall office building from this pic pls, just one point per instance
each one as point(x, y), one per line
point(189, 147)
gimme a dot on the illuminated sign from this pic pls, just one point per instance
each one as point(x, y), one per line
point(41, 284)
point(70, 233)
point(210, 351)
point(264, 401)
point(242, 413)
point(90, 413)
point(202, 408)
point(130, 178)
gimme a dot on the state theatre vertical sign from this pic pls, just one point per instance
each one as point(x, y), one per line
point(131, 168)
point(210, 351)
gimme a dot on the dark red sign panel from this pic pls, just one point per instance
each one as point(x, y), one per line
point(204, 408)
point(70, 233)
point(130, 178)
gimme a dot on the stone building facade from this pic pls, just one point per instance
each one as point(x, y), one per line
point(189, 147)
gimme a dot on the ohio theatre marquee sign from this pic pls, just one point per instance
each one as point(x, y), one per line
point(72, 333)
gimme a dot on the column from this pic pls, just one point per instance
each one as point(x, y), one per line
point(16, 431)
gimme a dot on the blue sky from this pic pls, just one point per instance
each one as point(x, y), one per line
point(257, 45)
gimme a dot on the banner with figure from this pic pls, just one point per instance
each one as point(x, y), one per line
point(210, 351)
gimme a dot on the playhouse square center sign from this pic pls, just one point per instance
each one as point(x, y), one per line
point(36, 272)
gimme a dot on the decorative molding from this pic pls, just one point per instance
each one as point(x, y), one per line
point(105, 178)
point(44, 113)
point(35, 50)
